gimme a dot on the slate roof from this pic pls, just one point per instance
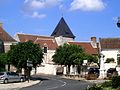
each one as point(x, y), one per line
point(110, 43)
point(5, 37)
point(87, 46)
point(62, 29)
point(41, 40)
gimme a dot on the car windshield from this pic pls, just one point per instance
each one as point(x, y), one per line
point(1, 73)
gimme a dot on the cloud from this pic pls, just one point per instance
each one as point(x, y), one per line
point(87, 5)
point(40, 4)
point(38, 15)
point(33, 6)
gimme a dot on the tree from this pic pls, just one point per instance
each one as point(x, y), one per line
point(71, 55)
point(63, 53)
point(3, 61)
point(23, 51)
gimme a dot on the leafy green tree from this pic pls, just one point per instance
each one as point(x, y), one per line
point(63, 53)
point(3, 61)
point(71, 55)
point(20, 53)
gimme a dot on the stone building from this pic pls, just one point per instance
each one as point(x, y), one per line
point(61, 34)
point(5, 42)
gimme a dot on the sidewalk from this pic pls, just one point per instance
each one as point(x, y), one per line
point(17, 86)
point(97, 81)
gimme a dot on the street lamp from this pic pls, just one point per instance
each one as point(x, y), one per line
point(118, 22)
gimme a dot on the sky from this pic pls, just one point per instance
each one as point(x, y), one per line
point(86, 18)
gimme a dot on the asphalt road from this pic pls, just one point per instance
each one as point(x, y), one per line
point(56, 83)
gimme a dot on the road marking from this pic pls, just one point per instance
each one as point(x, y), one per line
point(40, 83)
point(64, 83)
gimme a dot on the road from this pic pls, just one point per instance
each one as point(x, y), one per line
point(56, 83)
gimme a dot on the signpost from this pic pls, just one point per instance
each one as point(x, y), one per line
point(29, 63)
point(29, 66)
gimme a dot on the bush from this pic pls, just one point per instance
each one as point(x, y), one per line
point(116, 82)
point(95, 87)
point(2, 69)
point(108, 60)
point(91, 77)
point(106, 84)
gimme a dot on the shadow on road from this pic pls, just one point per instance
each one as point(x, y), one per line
point(38, 78)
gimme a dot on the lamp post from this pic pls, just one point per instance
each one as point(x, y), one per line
point(118, 22)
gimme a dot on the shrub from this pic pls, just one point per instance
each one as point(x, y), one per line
point(2, 69)
point(91, 77)
point(116, 82)
point(106, 84)
point(108, 60)
point(95, 87)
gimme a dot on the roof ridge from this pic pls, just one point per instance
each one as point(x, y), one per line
point(36, 35)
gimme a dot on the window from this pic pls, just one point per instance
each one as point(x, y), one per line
point(45, 49)
point(1, 46)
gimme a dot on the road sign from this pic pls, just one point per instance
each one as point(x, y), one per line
point(29, 63)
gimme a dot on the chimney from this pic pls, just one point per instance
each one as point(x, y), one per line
point(93, 39)
point(94, 42)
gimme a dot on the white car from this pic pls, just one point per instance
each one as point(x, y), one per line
point(6, 77)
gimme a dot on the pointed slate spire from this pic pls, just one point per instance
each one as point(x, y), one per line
point(62, 29)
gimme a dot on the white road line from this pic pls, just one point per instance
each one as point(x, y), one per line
point(40, 83)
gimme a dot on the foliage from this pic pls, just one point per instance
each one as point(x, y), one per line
point(108, 60)
point(95, 87)
point(3, 58)
point(91, 58)
point(116, 82)
point(2, 69)
point(3, 61)
point(20, 53)
point(106, 84)
point(64, 54)
point(71, 55)
point(77, 58)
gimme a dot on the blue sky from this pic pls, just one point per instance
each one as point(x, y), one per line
point(86, 18)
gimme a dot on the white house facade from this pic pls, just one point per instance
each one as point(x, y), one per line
point(110, 49)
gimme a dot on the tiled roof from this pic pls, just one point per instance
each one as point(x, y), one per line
point(49, 43)
point(42, 40)
point(4, 36)
point(87, 46)
point(27, 37)
point(62, 29)
point(110, 43)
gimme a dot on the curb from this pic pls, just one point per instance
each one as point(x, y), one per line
point(17, 86)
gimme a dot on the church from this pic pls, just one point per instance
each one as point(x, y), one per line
point(61, 34)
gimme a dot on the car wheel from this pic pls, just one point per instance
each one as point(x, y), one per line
point(5, 81)
point(21, 79)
